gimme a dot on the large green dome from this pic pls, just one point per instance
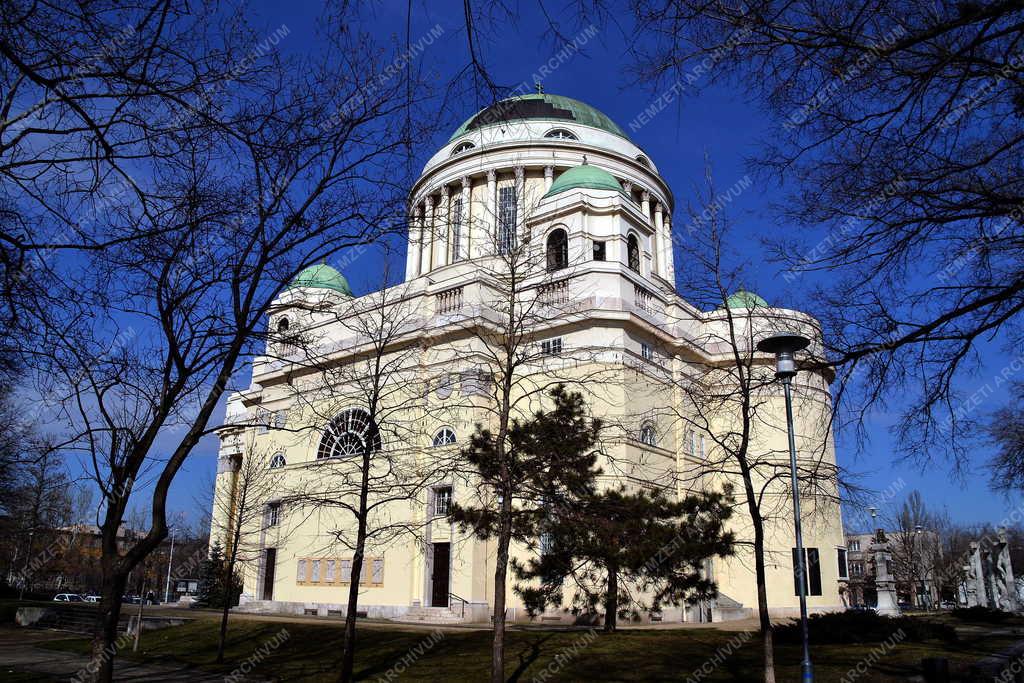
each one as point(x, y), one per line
point(585, 176)
point(744, 299)
point(322, 276)
point(540, 107)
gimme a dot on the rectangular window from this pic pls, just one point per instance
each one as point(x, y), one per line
point(280, 419)
point(456, 254)
point(841, 557)
point(273, 514)
point(646, 351)
point(506, 219)
point(330, 571)
point(300, 572)
point(377, 575)
point(599, 251)
point(551, 347)
point(346, 571)
point(855, 546)
point(442, 500)
point(262, 421)
point(316, 571)
point(813, 566)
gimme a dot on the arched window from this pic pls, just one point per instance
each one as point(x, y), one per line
point(633, 252)
point(444, 437)
point(643, 161)
point(560, 134)
point(648, 435)
point(348, 435)
point(558, 250)
point(277, 460)
point(282, 325)
point(462, 147)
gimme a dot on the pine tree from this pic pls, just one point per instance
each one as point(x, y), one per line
point(215, 587)
point(550, 456)
point(621, 546)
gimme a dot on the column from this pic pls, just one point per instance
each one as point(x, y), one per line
point(463, 244)
point(442, 227)
point(549, 177)
point(487, 230)
point(669, 263)
point(412, 254)
point(628, 187)
point(659, 240)
point(520, 232)
point(427, 244)
point(645, 204)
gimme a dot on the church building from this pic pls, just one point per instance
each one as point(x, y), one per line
point(552, 189)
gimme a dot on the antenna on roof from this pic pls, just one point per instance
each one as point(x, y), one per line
point(540, 88)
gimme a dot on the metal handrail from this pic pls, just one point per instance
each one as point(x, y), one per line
point(462, 601)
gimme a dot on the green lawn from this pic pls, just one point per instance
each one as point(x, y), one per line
point(311, 652)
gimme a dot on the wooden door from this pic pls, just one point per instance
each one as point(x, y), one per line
point(270, 563)
point(439, 577)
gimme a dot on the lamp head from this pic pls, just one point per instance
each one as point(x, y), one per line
point(784, 345)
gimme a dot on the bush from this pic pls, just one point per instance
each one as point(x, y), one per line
point(981, 614)
point(863, 627)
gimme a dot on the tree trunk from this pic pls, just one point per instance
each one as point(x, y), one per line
point(104, 642)
point(500, 575)
point(767, 642)
point(348, 648)
point(611, 600)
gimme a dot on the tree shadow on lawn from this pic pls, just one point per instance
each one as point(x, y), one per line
point(528, 656)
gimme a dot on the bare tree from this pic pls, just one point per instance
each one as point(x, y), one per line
point(370, 463)
point(525, 288)
point(729, 407)
point(139, 338)
point(241, 516)
point(914, 545)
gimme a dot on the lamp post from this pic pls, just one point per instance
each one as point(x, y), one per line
point(784, 346)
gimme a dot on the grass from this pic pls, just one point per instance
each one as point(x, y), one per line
point(311, 653)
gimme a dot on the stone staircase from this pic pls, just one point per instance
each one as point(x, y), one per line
point(431, 615)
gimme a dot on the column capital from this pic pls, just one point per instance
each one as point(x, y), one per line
point(465, 182)
point(445, 190)
point(657, 207)
point(646, 196)
point(520, 174)
point(549, 172)
point(627, 186)
point(429, 200)
point(492, 175)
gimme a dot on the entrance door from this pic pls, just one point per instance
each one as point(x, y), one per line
point(439, 578)
point(269, 563)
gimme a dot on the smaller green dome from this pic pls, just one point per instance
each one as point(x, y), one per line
point(585, 176)
point(744, 299)
point(322, 276)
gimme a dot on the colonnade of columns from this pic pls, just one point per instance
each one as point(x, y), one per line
point(443, 230)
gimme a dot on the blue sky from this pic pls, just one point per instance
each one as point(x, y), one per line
point(719, 121)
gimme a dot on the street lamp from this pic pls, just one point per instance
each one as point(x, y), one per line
point(784, 346)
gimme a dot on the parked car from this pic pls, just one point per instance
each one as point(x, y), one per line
point(91, 598)
point(67, 597)
point(130, 599)
point(861, 608)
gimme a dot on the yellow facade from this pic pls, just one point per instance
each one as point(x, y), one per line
point(641, 355)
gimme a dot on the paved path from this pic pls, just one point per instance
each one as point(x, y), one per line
point(18, 652)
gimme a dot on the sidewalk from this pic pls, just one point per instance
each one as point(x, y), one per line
point(18, 652)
